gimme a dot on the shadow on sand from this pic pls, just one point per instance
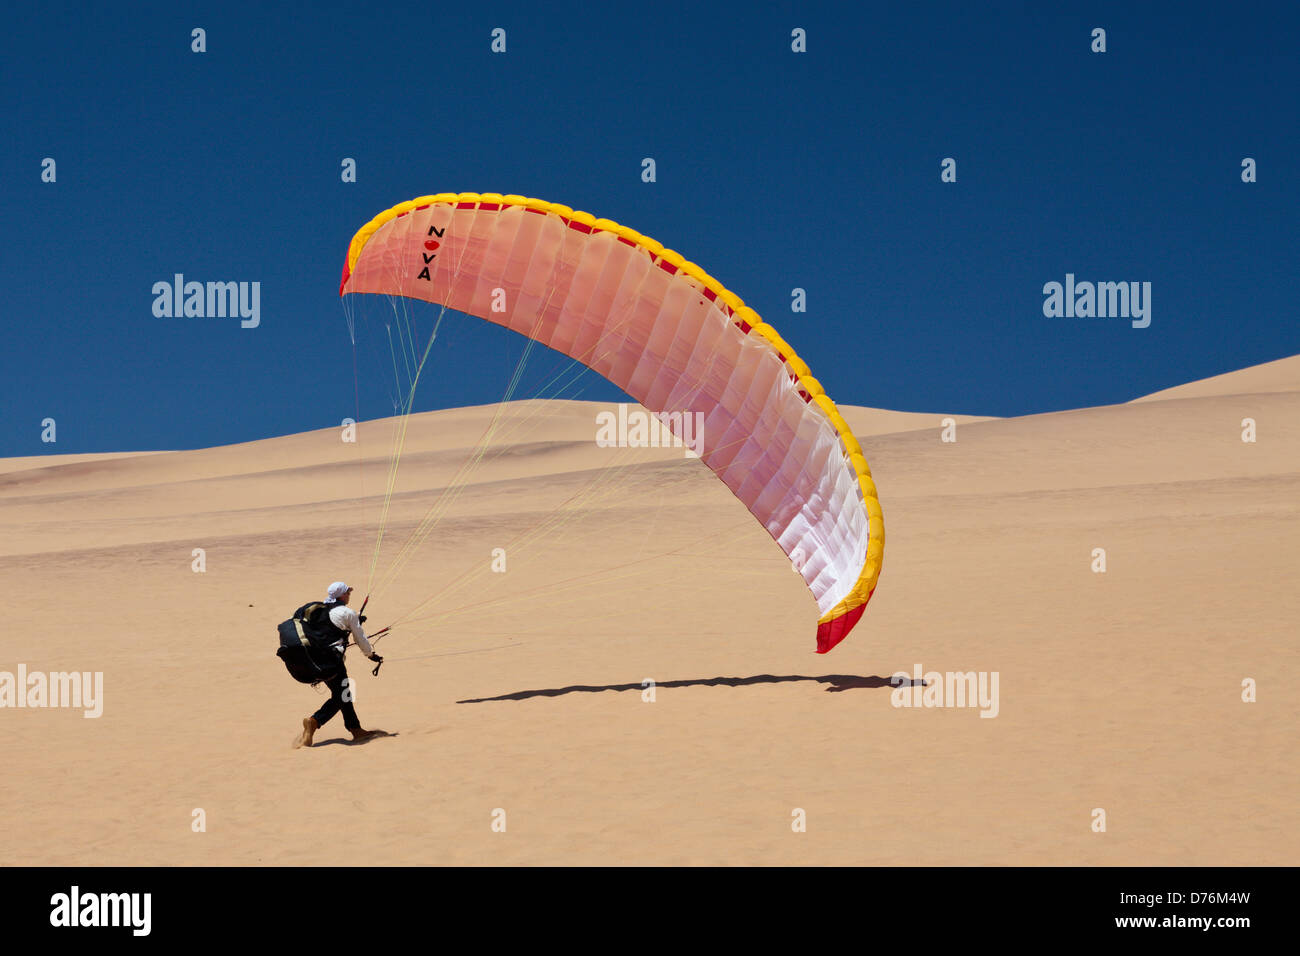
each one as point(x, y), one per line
point(352, 743)
point(835, 682)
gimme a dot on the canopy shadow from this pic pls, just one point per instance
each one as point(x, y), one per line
point(836, 682)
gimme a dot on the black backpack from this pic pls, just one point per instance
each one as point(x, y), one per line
point(306, 645)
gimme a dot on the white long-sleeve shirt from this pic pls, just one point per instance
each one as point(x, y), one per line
point(344, 617)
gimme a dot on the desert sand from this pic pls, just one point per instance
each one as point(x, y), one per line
point(522, 691)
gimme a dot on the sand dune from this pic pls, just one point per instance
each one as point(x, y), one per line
point(29, 462)
point(522, 691)
point(1279, 376)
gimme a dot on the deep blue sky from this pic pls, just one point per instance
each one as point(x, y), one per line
point(775, 170)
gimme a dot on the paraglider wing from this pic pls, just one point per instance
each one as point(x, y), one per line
point(673, 338)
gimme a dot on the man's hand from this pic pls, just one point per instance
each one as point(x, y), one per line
point(362, 619)
point(376, 658)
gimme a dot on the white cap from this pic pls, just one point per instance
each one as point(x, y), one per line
point(337, 590)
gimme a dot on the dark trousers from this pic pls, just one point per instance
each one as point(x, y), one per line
point(337, 703)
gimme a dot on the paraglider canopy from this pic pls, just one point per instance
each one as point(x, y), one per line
point(673, 338)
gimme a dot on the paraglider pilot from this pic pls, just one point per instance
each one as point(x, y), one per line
point(344, 623)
